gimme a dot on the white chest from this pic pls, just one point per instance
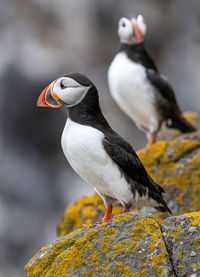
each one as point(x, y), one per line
point(131, 90)
point(82, 146)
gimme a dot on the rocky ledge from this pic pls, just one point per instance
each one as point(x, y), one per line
point(133, 244)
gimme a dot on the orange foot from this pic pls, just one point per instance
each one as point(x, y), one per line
point(107, 214)
point(125, 210)
point(149, 143)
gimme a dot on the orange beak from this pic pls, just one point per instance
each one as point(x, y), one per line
point(137, 31)
point(46, 98)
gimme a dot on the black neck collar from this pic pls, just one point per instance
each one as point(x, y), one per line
point(88, 111)
point(138, 54)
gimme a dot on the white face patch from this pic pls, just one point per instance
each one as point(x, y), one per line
point(127, 32)
point(69, 91)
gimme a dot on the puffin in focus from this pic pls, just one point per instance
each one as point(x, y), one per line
point(96, 152)
point(137, 86)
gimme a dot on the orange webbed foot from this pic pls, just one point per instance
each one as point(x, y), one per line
point(107, 215)
point(125, 210)
point(150, 142)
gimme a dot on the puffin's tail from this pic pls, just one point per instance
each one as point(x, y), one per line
point(156, 194)
point(182, 124)
point(162, 206)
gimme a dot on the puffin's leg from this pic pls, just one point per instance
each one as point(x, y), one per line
point(150, 142)
point(125, 210)
point(108, 202)
point(107, 215)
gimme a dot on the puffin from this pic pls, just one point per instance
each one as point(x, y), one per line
point(137, 86)
point(96, 152)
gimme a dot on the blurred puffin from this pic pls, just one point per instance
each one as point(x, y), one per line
point(96, 152)
point(137, 86)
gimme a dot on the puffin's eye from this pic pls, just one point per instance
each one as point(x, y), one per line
point(123, 24)
point(62, 86)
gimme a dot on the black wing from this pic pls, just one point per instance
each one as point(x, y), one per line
point(162, 85)
point(132, 169)
point(167, 103)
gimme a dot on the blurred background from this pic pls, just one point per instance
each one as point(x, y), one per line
point(40, 40)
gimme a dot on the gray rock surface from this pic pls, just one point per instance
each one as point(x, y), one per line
point(133, 244)
point(182, 237)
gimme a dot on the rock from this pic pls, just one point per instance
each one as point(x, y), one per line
point(130, 243)
point(175, 165)
point(133, 244)
point(182, 238)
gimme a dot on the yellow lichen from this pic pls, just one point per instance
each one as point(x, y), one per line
point(180, 255)
point(89, 211)
point(191, 116)
point(197, 242)
point(196, 266)
point(175, 233)
point(194, 218)
point(183, 176)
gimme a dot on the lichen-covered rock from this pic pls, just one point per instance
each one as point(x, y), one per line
point(132, 244)
point(182, 237)
point(129, 245)
point(175, 165)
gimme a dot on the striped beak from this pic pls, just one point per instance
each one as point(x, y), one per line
point(137, 31)
point(47, 99)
